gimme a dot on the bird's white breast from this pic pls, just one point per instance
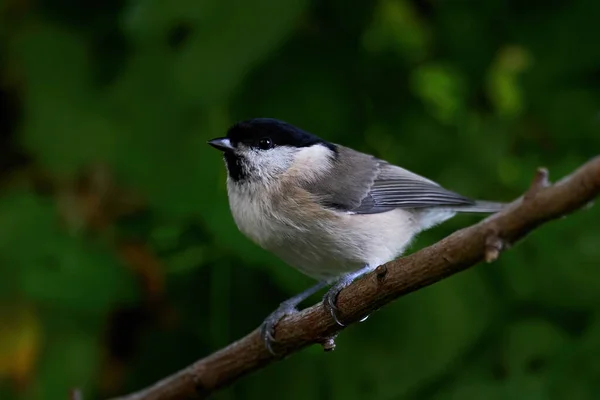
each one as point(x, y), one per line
point(323, 244)
point(254, 213)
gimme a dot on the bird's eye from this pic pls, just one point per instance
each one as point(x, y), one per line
point(265, 143)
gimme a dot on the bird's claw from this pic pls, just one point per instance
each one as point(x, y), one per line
point(329, 301)
point(267, 329)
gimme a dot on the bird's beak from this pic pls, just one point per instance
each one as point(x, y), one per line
point(222, 144)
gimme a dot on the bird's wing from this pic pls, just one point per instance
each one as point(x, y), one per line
point(367, 185)
point(395, 187)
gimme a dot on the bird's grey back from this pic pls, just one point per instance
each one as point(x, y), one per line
point(347, 182)
point(362, 184)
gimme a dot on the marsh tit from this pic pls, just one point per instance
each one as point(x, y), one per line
point(331, 212)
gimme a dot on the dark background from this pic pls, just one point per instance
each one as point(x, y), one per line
point(120, 262)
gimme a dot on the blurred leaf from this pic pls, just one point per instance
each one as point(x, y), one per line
point(570, 113)
point(187, 259)
point(576, 375)
point(54, 267)
point(70, 359)
point(531, 388)
point(589, 348)
point(396, 27)
point(75, 276)
point(224, 44)
point(557, 40)
point(529, 345)
point(165, 154)
point(146, 266)
point(151, 20)
point(503, 85)
point(521, 367)
point(442, 89)
point(299, 87)
point(20, 337)
point(538, 274)
point(58, 102)
point(313, 385)
point(467, 33)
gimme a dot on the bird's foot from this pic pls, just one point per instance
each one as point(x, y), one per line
point(267, 329)
point(330, 298)
point(329, 301)
point(288, 307)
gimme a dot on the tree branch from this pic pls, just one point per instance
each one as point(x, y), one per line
point(457, 252)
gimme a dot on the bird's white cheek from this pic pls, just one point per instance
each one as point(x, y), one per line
point(310, 163)
point(267, 165)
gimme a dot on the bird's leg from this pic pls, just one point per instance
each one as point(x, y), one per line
point(330, 297)
point(285, 308)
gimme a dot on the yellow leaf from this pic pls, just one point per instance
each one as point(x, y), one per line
point(20, 335)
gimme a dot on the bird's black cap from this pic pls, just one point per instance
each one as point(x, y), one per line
point(281, 133)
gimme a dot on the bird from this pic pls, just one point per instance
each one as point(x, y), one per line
point(329, 211)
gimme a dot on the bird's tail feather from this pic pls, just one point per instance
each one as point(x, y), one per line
point(480, 207)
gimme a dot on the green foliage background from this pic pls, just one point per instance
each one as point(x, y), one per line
point(120, 263)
